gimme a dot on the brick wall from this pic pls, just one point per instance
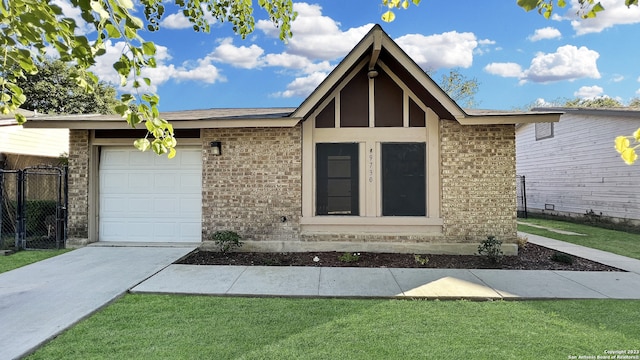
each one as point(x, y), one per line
point(478, 181)
point(78, 208)
point(254, 183)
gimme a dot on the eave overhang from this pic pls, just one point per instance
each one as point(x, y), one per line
point(192, 119)
point(508, 118)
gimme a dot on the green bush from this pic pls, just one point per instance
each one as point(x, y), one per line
point(39, 215)
point(491, 248)
point(349, 257)
point(226, 240)
point(562, 258)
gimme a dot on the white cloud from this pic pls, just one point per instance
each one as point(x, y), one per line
point(302, 86)
point(202, 70)
point(545, 33)
point(504, 69)
point(179, 21)
point(296, 62)
point(450, 49)
point(617, 78)
point(540, 102)
point(316, 37)
point(237, 56)
point(567, 63)
point(175, 21)
point(589, 92)
point(616, 13)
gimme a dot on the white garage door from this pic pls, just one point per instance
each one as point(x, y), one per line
point(149, 198)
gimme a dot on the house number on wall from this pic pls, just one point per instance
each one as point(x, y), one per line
point(370, 165)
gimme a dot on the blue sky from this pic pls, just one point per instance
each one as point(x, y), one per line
point(518, 58)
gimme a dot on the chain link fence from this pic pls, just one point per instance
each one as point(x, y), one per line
point(33, 208)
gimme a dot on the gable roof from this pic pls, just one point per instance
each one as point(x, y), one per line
point(377, 44)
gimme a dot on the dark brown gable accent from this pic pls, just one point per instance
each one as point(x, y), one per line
point(415, 86)
point(327, 117)
point(416, 115)
point(354, 101)
point(388, 101)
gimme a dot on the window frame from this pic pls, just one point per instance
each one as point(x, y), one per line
point(322, 157)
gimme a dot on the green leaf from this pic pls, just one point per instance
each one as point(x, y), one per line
point(113, 31)
point(142, 144)
point(149, 48)
point(528, 5)
point(158, 147)
point(127, 4)
point(21, 119)
point(388, 16)
point(172, 153)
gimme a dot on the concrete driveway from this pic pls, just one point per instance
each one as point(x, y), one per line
point(39, 301)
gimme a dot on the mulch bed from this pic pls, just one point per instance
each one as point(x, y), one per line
point(532, 257)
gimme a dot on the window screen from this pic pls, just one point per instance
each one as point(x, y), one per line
point(337, 179)
point(403, 179)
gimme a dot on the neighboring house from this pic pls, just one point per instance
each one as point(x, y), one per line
point(571, 167)
point(20, 147)
point(377, 158)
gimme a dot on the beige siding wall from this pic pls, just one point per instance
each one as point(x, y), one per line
point(78, 209)
point(578, 170)
point(40, 142)
point(254, 183)
point(478, 181)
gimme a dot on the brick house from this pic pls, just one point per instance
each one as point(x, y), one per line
point(377, 158)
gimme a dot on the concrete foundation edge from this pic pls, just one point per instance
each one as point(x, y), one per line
point(380, 247)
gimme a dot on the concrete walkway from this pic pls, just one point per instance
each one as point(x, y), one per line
point(406, 283)
point(41, 300)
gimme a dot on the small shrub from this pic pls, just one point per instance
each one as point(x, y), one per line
point(226, 240)
point(522, 242)
point(422, 260)
point(491, 248)
point(562, 258)
point(349, 257)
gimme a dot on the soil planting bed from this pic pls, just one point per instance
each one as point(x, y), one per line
point(532, 257)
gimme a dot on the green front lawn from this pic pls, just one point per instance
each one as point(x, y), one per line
point(198, 327)
point(618, 242)
point(22, 258)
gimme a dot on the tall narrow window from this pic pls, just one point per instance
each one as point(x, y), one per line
point(337, 179)
point(403, 179)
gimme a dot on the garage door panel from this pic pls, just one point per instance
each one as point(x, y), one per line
point(149, 198)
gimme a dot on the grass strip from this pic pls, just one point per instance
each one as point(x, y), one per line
point(196, 327)
point(617, 242)
point(22, 258)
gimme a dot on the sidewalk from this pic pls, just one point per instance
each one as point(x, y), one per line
point(406, 283)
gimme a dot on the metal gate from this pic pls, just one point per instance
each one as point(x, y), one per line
point(521, 195)
point(33, 204)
